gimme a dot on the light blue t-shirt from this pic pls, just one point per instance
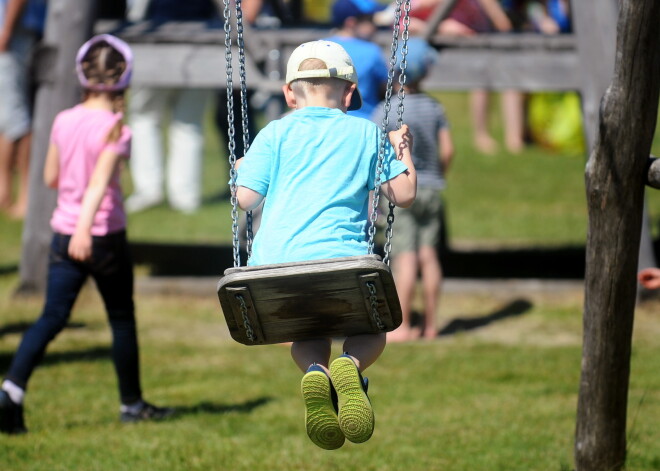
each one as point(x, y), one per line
point(315, 167)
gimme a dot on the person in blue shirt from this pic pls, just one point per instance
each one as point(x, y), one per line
point(315, 168)
point(354, 20)
point(21, 26)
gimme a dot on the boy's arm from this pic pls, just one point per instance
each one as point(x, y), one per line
point(402, 189)
point(52, 167)
point(248, 199)
point(446, 148)
point(80, 246)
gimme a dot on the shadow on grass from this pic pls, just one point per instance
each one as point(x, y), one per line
point(20, 327)
point(55, 358)
point(8, 269)
point(515, 308)
point(214, 408)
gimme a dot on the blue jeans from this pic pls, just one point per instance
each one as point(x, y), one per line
point(111, 267)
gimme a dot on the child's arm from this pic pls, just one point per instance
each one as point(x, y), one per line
point(446, 149)
point(248, 199)
point(52, 167)
point(402, 189)
point(80, 246)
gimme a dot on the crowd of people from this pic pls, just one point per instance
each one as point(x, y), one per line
point(334, 89)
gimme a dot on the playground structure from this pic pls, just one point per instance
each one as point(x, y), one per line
point(617, 170)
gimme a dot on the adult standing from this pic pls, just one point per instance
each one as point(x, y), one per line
point(149, 107)
point(21, 26)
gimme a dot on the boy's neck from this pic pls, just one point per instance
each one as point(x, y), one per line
point(318, 100)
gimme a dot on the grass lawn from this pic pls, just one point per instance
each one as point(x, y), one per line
point(501, 397)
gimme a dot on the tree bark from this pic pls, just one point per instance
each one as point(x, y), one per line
point(68, 26)
point(615, 177)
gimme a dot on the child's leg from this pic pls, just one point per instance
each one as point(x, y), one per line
point(405, 274)
point(356, 416)
point(114, 280)
point(307, 352)
point(65, 279)
point(365, 349)
point(431, 280)
point(23, 165)
point(321, 423)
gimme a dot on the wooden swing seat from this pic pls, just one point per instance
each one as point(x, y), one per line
point(286, 302)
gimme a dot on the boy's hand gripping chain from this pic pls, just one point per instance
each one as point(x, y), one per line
point(387, 107)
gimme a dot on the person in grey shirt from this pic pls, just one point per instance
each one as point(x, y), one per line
point(418, 227)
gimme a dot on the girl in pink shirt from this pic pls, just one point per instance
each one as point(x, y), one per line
point(88, 143)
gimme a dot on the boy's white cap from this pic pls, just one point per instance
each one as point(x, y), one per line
point(338, 65)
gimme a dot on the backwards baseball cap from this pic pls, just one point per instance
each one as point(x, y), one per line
point(337, 61)
point(118, 45)
point(342, 9)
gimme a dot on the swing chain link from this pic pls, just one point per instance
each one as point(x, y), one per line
point(387, 106)
point(231, 134)
point(373, 301)
point(249, 332)
point(381, 145)
point(244, 109)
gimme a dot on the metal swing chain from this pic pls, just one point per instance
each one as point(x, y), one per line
point(386, 111)
point(244, 109)
point(401, 94)
point(231, 144)
point(231, 132)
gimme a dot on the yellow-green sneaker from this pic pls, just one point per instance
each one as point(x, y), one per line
point(356, 417)
point(321, 420)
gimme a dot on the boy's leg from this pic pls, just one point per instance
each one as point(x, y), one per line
point(321, 422)
point(307, 352)
point(405, 274)
point(431, 280)
point(356, 416)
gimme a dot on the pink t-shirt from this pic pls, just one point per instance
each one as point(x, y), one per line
point(80, 135)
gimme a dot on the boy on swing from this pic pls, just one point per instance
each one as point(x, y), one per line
point(323, 161)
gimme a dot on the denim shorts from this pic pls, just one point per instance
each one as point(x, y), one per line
point(15, 116)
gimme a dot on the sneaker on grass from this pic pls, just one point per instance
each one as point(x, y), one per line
point(11, 415)
point(321, 409)
point(144, 411)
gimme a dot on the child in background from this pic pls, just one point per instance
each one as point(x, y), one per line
point(354, 20)
point(316, 168)
point(418, 227)
point(88, 144)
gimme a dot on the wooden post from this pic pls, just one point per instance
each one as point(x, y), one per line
point(615, 176)
point(69, 24)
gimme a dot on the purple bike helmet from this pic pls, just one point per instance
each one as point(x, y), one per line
point(121, 47)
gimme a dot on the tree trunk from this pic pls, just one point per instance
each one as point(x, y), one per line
point(68, 26)
point(615, 176)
